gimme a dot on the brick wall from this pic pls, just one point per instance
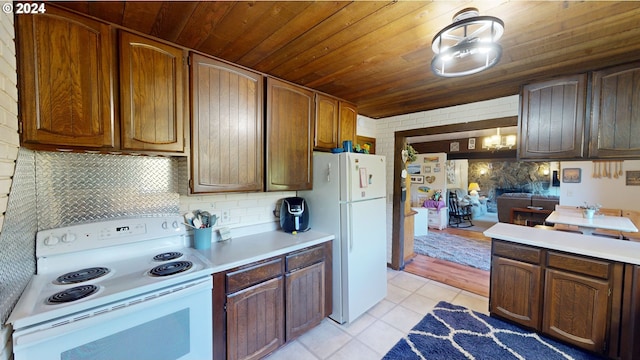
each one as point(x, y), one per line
point(9, 140)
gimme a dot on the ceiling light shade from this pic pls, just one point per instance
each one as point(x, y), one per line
point(498, 142)
point(467, 46)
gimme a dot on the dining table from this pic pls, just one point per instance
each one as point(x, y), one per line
point(575, 217)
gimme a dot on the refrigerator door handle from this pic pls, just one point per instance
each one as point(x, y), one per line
point(350, 227)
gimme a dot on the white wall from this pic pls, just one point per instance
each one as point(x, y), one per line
point(9, 139)
point(608, 192)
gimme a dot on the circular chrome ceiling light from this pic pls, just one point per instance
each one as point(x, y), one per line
point(467, 46)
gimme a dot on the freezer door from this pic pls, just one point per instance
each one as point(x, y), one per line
point(363, 176)
point(364, 260)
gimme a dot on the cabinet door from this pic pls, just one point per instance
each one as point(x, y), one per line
point(65, 80)
point(348, 122)
point(551, 119)
point(226, 130)
point(516, 291)
point(305, 296)
point(615, 118)
point(576, 309)
point(326, 125)
point(290, 116)
point(255, 320)
point(151, 94)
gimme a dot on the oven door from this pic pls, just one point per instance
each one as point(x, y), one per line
point(172, 323)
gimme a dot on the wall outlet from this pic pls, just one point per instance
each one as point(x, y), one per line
point(225, 217)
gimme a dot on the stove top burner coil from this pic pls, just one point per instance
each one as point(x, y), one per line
point(79, 276)
point(72, 294)
point(167, 256)
point(171, 268)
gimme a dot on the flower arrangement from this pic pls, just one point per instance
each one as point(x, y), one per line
point(437, 194)
point(588, 206)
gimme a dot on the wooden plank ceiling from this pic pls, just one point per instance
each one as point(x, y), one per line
point(377, 54)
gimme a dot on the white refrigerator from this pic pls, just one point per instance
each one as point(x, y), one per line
point(349, 200)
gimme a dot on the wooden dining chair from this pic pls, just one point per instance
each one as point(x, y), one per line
point(634, 216)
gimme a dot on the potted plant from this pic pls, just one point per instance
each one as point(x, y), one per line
point(588, 210)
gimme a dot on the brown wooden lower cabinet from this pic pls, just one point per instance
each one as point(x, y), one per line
point(573, 298)
point(260, 306)
point(255, 326)
point(305, 299)
point(576, 309)
point(518, 296)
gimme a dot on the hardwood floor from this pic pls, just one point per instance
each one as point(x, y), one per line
point(450, 273)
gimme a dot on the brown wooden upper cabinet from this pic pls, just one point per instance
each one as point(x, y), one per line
point(615, 116)
point(326, 125)
point(65, 66)
point(290, 118)
point(552, 117)
point(152, 95)
point(335, 123)
point(348, 123)
point(227, 130)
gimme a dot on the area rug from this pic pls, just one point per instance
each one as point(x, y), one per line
point(451, 332)
point(454, 248)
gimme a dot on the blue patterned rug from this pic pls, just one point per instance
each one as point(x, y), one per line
point(451, 332)
point(454, 248)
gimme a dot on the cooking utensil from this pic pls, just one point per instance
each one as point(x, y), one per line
point(615, 171)
point(188, 218)
point(620, 171)
point(206, 218)
point(197, 223)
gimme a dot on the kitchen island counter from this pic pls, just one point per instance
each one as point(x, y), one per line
point(225, 255)
point(599, 247)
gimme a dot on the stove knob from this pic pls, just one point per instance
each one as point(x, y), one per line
point(165, 225)
point(67, 238)
point(51, 240)
point(175, 225)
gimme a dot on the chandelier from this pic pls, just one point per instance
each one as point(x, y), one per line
point(467, 46)
point(499, 142)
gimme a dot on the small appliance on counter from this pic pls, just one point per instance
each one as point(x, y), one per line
point(294, 214)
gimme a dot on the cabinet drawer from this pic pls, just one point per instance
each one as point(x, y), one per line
point(517, 252)
point(252, 274)
point(579, 264)
point(304, 258)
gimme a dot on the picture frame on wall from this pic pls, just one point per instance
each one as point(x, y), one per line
point(632, 178)
point(427, 169)
point(571, 175)
point(417, 179)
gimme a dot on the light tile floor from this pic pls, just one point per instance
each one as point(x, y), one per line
point(409, 298)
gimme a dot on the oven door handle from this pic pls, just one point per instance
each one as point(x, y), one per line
point(49, 330)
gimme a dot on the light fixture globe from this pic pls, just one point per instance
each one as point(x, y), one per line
point(467, 46)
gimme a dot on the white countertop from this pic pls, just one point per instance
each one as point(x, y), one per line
point(600, 247)
point(243, 250)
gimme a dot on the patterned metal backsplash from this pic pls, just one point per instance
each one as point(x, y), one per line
point(77, 188)
point(17, 261)
point(52, 189)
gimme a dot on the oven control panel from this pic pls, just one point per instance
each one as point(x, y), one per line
point(106, 233)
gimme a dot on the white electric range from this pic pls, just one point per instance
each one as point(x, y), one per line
point(132, 281)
